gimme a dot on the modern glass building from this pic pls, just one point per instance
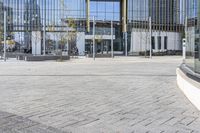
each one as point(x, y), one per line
point(47, 24)
point(192, 31)
point(31, 16)
point(188, 75)
point(166, 19)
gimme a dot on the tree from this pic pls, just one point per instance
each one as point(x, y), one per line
point(68, 33)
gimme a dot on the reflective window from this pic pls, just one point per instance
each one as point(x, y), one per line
point(153, 42)
point(159, 42)
point(191, 28)
point(105, 10)
point(165, 42)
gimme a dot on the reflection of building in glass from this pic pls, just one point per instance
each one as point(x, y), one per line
point(128, 16)
point(1, 17)
point(9, 17)
point(188, 75)
point(164, 11)
point(166, 24)
point(192, 35)
point(105, 12)
point(9, 21)
point(32, 21)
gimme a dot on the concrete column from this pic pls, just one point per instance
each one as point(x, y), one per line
point(80, 41)
point(156, 42)
point(36, 43)
point(124, 24)
point(124, 15)
point(162, 42)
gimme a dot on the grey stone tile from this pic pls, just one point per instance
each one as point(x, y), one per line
point(109, 95)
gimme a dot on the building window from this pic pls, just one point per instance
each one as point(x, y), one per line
point(152, 42)
point(159, 42)
point(165, 42)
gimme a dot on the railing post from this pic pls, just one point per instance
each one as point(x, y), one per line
point(94, 38)
point(5, 25)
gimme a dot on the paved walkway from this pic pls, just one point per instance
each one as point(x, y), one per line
point(121, 95)
point(11, 123)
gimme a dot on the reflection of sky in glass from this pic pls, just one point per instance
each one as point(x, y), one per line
point(55, 9)
point(192, 8)
point(101, 9)
point(138, 9)
point(105, 10)
point(58, 9)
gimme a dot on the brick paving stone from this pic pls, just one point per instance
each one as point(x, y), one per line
point(10, 123)
point(121, 95)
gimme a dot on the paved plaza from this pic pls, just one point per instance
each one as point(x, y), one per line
point(121, 95)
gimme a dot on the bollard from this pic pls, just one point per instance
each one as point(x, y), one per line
point(184, 50)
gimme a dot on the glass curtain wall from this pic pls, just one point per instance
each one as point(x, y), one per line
point(34, 11)
point(138, 16)
point(104, 12)
point(9, 21)
point(28, 16)
point(24, 17)
point(1, 26)
point(190, 30)
point(166, 16)
point(197, 39)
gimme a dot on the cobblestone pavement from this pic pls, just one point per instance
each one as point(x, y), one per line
point(121, 95)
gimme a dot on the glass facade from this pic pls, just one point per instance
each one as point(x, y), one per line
point(57, 17)
point(24, 17)
point(32, 13)
point(192, 35)
point(166, 16)
point(104, 12)
point(52, 16)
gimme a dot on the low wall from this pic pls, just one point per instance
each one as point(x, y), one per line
point(45, 58)
point(190, 87)
point(100, 55)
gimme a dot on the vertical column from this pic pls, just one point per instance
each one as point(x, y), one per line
point(126, 43)
point(150, 35)
point(94, 50)
point(124, 24)
point(44, 32)
point(124, 15)
point(88, 15)
point(112, 52)
point(5, 26)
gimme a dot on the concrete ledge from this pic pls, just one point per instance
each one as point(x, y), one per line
point(190, 87)
point(100, 56)
point(46, 57)
point(20, 57)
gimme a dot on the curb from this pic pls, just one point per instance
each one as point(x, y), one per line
point(190, 87)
